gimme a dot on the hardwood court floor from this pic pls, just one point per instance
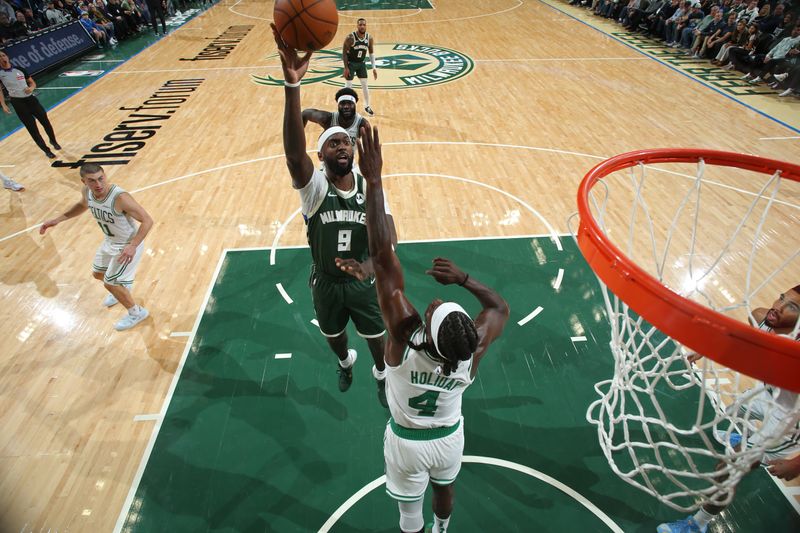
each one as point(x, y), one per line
point(546, 99)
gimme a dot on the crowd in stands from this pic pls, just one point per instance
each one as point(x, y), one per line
point(760, 40)
point(107, 21)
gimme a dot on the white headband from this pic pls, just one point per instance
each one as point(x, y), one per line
point(438, 317)
point(327, 135)
point(346, 98)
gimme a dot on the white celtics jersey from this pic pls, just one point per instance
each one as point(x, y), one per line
point(119, 228)
point(420, 397)
point(352, 131)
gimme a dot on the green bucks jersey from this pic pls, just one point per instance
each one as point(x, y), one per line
point(359, 50)
point(338, 226)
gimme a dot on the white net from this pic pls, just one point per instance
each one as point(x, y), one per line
point(725, 238)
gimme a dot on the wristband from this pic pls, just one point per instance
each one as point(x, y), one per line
point(287, 84)
point(466, 278)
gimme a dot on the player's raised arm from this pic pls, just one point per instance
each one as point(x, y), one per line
point(494, 315)
point(399, 315)
point(317, 116)
point(294, 138)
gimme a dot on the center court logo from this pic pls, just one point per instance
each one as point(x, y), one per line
point(400, 66)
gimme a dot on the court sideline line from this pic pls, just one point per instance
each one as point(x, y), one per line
point(161, 416)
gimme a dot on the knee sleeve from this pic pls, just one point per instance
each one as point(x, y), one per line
point(411, 516)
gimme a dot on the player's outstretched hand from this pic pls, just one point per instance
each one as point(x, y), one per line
point(354, 268)
point(294, 66)
point(446, 272)
point(694, 357)
point(46, 225)
point(370, 158)
point(787, 469)
point(127, 254)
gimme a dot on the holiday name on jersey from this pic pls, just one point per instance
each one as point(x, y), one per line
point(434, 380)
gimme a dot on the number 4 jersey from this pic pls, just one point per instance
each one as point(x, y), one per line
point(420, 395)
point(119, 228)
point(337, 222)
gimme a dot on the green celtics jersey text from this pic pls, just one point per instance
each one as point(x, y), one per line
point(358, 51)
point(338, 228)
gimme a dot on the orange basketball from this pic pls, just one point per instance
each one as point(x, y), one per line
point(306, 25)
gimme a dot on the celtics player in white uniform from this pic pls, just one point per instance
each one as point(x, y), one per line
point(354, 56)
point(777, 409)
point(429, 364)
point(333, 205)
point(119, 254)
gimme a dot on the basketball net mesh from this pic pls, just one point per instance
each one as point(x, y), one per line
point(665, 426)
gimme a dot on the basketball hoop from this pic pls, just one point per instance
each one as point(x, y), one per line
point(688, 277)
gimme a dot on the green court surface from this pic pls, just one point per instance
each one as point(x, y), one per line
point(251, 442)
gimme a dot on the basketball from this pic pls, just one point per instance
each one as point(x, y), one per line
point(306, 25)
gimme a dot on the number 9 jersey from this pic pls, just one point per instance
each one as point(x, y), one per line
point(337, 223)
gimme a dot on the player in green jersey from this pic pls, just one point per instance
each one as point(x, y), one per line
point(354, 56)
point(333, 202)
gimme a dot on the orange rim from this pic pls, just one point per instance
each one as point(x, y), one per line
point(733, 343)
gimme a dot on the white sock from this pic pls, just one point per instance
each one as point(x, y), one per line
point(440, 524)
point(348, 84)
point(135, 310)
point(378, 374)
point(365, 88)
point(702, 518)
point(348, 362)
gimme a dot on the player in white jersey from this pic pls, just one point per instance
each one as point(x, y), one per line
point(345, 116)
point(119, 254)
point(776, 408)
point(429, 364)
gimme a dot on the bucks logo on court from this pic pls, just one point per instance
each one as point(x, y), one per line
point(400, 66)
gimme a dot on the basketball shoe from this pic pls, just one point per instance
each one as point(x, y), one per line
point(687, 525)
point(346, 374)
point(130, 320)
